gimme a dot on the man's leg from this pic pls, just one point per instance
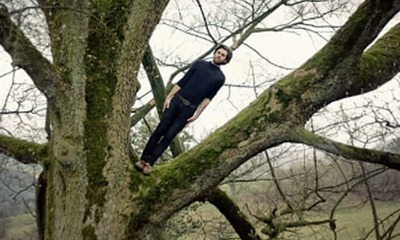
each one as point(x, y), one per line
point(163, 126)
point(177, 125)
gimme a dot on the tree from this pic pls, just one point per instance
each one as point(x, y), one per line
point(89, 187)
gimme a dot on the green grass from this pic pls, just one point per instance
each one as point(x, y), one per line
point(352, 223)
point(361, 220)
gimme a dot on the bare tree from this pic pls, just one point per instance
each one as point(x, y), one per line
point(90, 189)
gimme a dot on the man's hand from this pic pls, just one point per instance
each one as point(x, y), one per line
point(191, 119)
point(170, 95)
point(199, 110)
point(166, 103)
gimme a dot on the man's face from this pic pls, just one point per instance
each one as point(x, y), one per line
point(220, 56)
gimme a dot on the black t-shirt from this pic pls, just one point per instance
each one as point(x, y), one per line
point(203, 80)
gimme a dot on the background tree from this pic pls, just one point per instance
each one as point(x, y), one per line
point(90, 86)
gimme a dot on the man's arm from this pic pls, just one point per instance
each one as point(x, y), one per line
point(199, 109)
point(170, 95)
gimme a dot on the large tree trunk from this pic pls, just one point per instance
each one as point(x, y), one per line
point(88, 171)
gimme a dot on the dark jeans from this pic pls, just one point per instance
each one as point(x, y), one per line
point(172, 122)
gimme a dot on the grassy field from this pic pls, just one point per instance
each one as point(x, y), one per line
point(352, 224)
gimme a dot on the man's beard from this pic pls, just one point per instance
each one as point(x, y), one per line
point(217, 63)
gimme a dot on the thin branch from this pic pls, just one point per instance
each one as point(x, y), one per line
point(266, 59)
point(392, 228)
point(388, 159)
point(372, 203)
point(16, 112)
point(205, 22)
point(277, 185)
point(236, 44)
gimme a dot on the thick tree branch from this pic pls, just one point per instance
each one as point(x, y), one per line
point(155, 79)
point(197, 172)
point(159, 91)
point(388, 159)
point(380, 63)
point(134, 45)
point(141, 112)
point(359, 31)
point(23, 151)
point(334, 72)
point(234, 215)
point(271, 120)
point(26, 56)
point(154, 75)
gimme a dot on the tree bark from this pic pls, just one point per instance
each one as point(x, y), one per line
point(159, 92)
point(92, 191)
point(271, 119)
point(234, 215)
point(97, 48)
point(388, 159)
point(25, 151)
point(26, 56)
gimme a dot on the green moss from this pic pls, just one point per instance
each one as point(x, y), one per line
point(88, 233)
point(379, 57)
point(23, 150)
point(275, 117)
point(284, 97)
point(103, 47)
point(95, 144)
point(342, 43)
point(155, 189)
point(136, 222)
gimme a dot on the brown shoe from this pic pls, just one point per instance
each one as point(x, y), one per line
point(147, 168)
point(139, 166)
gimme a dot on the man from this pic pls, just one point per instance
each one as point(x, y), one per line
point(184, 104)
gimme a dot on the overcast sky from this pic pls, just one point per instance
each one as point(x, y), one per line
point(285, 49)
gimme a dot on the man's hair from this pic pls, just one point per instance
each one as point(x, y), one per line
point(226, 48)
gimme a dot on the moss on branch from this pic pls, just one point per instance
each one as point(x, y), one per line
point(23, 151)
point(380, 62)
point(388, 159)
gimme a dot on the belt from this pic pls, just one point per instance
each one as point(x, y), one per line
point(185, 101)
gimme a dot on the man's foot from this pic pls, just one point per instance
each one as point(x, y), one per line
point(147, 168)
point(139, 165)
